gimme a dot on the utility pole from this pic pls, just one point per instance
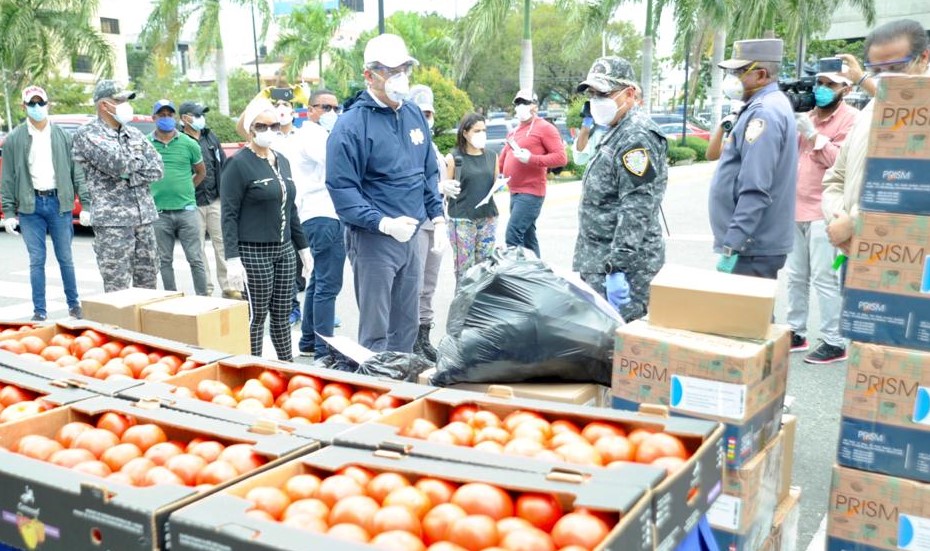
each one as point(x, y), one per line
point(684, 110)
point(258, 79)
point(380, 16)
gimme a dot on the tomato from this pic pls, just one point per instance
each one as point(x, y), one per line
point(463, 413)
point(225, 400)
point(137, 468)
point(385, 483)
point(137, 361)
point(489, 446)
point(302, 486)
point(133, 349)
point(357, 413)
point(300, 381)
point(37, 447)
point(210, 388)
point(395, 517)
point(89, 367)
point(398, 540)
point(32, 344)
point(312, 507)
point(527, 431)
point(53, 352)
point(523, 446)
point(447, 546)
point(419, 428)
point(365, 396)
point(386, 401)
point(81, 345)
point(269, 499)
point(95, 441)
point(517, 417)
point(660, 445)
point(217, 472)
point(273, 381)
point(541, 510)
point(438, 491)
point(301, 406)
point(115, 422)
point(474, 532)
point(671, 464)
point(306, 392)
point(336, 389)
point(478, 498)
point(494, 434)
point(336, 487)
point(242, 458)
point(71, 457)
point(98, 338)
point(13, 346)
point(358, 510)
point(188, 365)
point(361, 475)
point(155, 356)
point(144, 436)
point(67, 360)
point(186, 466)
point(348, 532)
point(62, 339)
point(307, 523)
point(210, 450)
point(548, 455)
point(614, 448)
point(411, 498)
point(11, 395)
point(163, 451)
point(334, 405)
point(636, 436)
point(533, 539)
point(160, 476)
point(439, 519)
point(596, 430)
point(462, 432)
point(171, 360)
point(93, 468)
point(485, 419)
point(113, 348)
point(120, 478)
point(120, 454)
point(580, 453)
point(253, 388)
point(579, 529)
point(509, 524)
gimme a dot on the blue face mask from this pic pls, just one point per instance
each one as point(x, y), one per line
point(37, 113)
point(823, 96)
point(166, 124)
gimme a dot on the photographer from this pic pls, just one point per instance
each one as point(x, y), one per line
point(752, 191)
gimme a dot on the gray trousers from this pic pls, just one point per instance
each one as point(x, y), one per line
point(210, 224)
point(184, 226)
point(387, 277)
point(429, 262)
point(810, 264)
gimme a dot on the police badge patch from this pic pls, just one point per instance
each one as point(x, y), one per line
point(754, 129)
point(636, 161)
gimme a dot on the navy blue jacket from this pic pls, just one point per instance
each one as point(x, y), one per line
point(753, 191)
point(380, 162)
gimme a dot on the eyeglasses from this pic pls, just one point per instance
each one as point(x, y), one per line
point(389, 72)
point(328, 108)
point(261, 127)
point(894, 66)
point(40, 103)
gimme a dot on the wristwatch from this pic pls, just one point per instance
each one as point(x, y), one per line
point(728, 251)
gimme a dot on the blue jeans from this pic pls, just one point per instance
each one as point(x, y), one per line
point(47, 219)
point(521, 229)
point(327, 244)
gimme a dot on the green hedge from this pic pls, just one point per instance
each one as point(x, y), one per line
point(445, 142)
point(699, 146)
point(223, 127)
point(679, 154)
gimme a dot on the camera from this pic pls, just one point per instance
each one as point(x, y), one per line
point(800, 93)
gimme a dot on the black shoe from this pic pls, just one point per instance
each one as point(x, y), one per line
point(39, 317)
point(76, 312)
point(307, 352)
point(422, 346)
point(798, 343)
point(826, 354)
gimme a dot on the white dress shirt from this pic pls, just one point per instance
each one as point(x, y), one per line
point(305, 149)
point(41, 167)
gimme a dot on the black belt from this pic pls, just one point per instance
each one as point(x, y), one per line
point(47, 192)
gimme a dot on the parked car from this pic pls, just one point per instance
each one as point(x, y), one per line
point(672, 131)
point(497, 133)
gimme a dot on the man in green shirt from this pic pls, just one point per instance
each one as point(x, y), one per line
point(174, 197)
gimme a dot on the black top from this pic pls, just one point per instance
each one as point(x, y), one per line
point(253, 210)
point(476, 179)
point(214, 159)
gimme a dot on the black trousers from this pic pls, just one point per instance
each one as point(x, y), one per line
point(269, 269)
point(760, 266)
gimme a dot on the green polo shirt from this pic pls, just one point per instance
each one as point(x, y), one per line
point(176, 190)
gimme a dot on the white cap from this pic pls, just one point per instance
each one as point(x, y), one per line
point(422, 96)
point(33, 91)
point(255, 108)
point(388, 50)
point(836, 77)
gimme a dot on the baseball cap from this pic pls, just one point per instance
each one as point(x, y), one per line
point(192, 108)
point(835, 77)
point(422, 96)
point(33, 91)
point(161, 104)
point(608, 73)
point(769, 50)
point(388, 50)
point(111, 89)
point(526, 95)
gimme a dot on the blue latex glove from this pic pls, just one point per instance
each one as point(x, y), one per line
point(587, 122)
point(618, 290)
point(727, 264)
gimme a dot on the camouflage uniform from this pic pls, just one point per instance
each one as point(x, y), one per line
point(622, 190)
point(119, 165)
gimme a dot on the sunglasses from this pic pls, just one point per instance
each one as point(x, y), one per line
point(896, 66)
point(328, 108)
point(261, 127)
point(40, 103)
point(522, 102)
point(389, 72)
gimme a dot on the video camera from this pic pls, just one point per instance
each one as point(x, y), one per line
point(800, 93)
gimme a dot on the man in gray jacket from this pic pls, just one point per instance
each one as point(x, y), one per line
point(39, 183)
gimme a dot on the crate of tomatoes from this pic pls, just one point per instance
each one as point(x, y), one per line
point(24, 394)
point(10, 329)
point(678, 460)
point(243, 389)
point(346, 498)
point(105, 473)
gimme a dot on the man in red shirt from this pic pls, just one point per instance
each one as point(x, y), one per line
point(531, 149)
point(821, 132)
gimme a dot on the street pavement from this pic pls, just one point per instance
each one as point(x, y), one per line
point(816, 390)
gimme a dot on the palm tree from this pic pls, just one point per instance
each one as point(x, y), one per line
point(306, 36)
point(35, 35)
point(168, 17)
point(484, 20)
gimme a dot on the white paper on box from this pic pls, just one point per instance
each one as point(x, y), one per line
point(707, 397)
point(922, 406)
point(913, 533)
point(725, 512)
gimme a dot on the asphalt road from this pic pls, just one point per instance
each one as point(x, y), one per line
point(816, 390)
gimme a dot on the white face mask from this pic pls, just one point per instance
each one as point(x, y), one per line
point(328, 120)
point(285, 115)
point(478, 140)
point(264, 139)
point(198, 123)
point(123, 113)
point(732, 87)
point(523, 112)
point(603, 110)
point(430, 122)
point(397, 87)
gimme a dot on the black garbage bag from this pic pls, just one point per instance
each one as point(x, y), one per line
point(399, 366)
point(513, 319)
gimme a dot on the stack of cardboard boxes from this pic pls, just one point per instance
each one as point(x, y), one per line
point(880, 497)
point(710, 350)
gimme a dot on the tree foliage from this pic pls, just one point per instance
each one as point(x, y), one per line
point(451, 103)
point(306, 35)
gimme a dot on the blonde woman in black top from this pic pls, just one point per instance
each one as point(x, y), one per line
point(261, 229)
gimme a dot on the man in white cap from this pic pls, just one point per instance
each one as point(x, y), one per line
point(821, 132)
point(381, 172)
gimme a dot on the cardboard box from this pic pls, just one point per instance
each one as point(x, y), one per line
point(897, 171)
point(871, 512)
point(66, 510)
point(883, 318)
point(742, 516)
point(737, 382)
point(891, 253)
point(38, 392)
point(784, 536)
point(707, 301)
point(209, 322)
point(885, 427)
point(583, 394)
point(16, 329)
point(220, 522)
point(679, 501)
point(123, 308)
point(789, 430)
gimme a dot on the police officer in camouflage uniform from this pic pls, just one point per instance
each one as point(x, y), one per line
point(120, 163)
point(620, 247)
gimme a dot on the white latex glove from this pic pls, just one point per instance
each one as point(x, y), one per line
point(440, 236)
point(235, 273)
point(401, 228)
point(306, 258)
point(805, 126)
point(84, 218)
point(450, 188)
point(522, 155)
point(9, 224)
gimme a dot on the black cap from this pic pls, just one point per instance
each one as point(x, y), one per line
point(192, 108)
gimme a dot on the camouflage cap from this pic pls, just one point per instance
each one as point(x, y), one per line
point(608, 73)
point(112, 89)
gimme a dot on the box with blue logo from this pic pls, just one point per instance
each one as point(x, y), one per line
point(886, 318)
point(885, 426)
point(738, 382)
